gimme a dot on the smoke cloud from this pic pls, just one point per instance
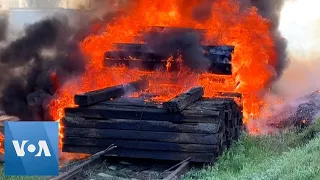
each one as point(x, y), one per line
point(36, 64)
point(27, 68)
point(301, 29)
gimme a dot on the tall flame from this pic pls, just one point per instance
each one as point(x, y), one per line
point(253, 59)
point(1, 143)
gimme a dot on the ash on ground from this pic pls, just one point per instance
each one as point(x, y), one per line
point(299, 112)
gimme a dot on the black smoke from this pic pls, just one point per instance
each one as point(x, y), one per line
point(28, 64)
point(36, 64)
point(185, 42)
point(270, 9)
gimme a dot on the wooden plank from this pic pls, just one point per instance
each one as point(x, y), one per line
point(221, 50)
point(141, 113)
point(151, 62)
point(140, 57)
point(143, 125)
point(93, 97)
point(144, 154)
point(181, 101)
point(127, 107)
point(147, 145)
point(136, 102)
point(145, 65)
point(230, 94)
point(143, 135)
point(208, 103)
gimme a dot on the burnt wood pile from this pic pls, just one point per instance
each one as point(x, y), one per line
point(190, 126)
point(141, 57)
point(149, 56)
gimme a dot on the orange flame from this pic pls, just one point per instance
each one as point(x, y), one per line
point(1, 143)
point(253, 59)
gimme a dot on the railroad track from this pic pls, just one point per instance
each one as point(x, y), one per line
point(98, 167)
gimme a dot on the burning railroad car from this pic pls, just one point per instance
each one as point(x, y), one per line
point(188, 125)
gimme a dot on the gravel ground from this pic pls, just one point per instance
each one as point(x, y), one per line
point(124, 169)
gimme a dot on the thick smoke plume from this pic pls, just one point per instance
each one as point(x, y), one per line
point(36, 64)
point(27, 67)
point(295, 95)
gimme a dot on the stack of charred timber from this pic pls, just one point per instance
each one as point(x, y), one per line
point(186, 126)
point(145, 57)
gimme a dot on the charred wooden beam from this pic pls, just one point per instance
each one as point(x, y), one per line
point(217, 50)
point(94, 97)
point(181, 101)
point(230, 94)
point(212, 103)
point(225, 51)
point(145, 154)
point(136, 55)
point(146, 145)
point(148, 65)
point(143, 125)
point(154, 64)
point(143, 57)
point(174, 137)
point(196, 112)
point(147, 114)
point(137, 102)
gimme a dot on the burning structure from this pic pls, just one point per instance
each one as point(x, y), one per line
point(195, 51)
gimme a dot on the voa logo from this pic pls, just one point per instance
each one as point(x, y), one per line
point(31, 148)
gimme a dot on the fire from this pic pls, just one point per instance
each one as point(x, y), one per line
point(253, 59)
point(1, 143)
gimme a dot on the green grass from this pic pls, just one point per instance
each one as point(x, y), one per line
point(16, 177)
point(285, 156)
